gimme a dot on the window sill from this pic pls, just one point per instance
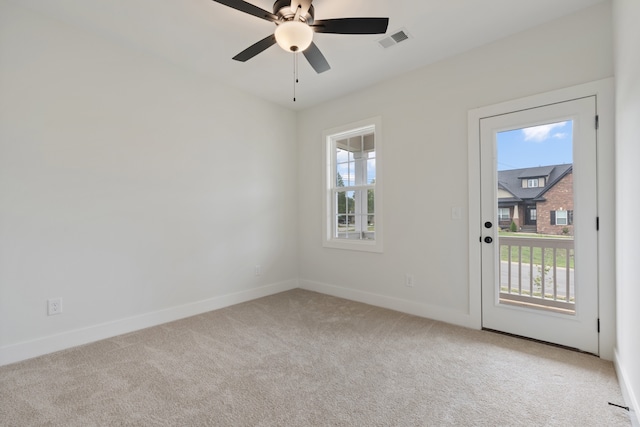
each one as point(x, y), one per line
point(354, 245)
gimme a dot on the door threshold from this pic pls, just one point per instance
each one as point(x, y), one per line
point(564, 347)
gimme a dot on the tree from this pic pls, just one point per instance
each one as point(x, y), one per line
point(342, 199)
point(345, 204)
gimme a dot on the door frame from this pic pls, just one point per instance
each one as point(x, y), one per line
point(603, 90)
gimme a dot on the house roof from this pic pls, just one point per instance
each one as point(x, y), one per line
point(536, 172)
point(511, 181)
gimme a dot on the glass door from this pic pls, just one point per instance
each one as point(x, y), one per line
point(539, 256)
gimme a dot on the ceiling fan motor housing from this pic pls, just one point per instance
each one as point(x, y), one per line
point(282, 8)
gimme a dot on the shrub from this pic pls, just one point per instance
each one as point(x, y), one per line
point(513, 227)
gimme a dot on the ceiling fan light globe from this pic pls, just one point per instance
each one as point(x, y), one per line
point(294, 36)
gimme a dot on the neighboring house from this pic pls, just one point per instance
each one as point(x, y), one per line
point(537, 200)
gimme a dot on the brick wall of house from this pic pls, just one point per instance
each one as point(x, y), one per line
point(560, 197)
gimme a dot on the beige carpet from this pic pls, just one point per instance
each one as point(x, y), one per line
point(305, 359)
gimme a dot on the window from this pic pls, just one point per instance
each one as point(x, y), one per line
point(353, 196)
point(561, 217)
point(532, 183)
point(503, 214)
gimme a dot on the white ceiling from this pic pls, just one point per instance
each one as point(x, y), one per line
point(203, 36)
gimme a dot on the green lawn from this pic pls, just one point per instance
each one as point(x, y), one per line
point(533, 235)
point(561, 255)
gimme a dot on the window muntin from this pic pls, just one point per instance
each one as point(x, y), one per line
point(504, 214)
point(353, 187)
point(532, 183)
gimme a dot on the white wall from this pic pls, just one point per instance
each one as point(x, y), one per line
point(424, 122)
point(134, 190)
point(627, 69)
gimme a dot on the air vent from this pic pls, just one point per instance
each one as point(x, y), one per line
point(395, 38)
point(399, 36)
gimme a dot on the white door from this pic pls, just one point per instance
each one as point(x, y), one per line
point(539, 223)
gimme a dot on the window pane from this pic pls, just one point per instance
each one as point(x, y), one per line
point(351, 203)
point(504, 214)
point(370, 201)
point(341, 202)
point(342, 155)
point(350, 180)
point(344, 175)
point(351, 222)
point(534, 167)
point(355, 144)
point(360, 170)
point(371, 171)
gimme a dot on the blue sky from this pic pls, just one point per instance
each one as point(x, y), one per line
point(536, 146)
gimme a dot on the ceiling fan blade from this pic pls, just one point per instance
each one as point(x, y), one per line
point(351, 26)
point(316, 59)
point(256, 48)
point(245, 7)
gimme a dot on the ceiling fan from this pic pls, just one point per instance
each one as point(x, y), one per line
point(296, 25)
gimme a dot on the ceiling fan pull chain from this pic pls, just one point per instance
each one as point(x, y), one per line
point(296, 69)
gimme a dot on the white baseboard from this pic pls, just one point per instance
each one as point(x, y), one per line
point(627, 391)
point(49, 344)
point(397, 304)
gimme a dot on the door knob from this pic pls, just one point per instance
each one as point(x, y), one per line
point(488, 224)
point(488, 239)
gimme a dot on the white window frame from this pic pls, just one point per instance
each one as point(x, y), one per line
point(533, 183)
point(565, 215)
point(329, 137)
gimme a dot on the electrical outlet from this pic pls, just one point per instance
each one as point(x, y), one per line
point(258, 270)
point(54, 306)
point(409, 280)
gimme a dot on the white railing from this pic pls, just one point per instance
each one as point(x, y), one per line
point(537, 272)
